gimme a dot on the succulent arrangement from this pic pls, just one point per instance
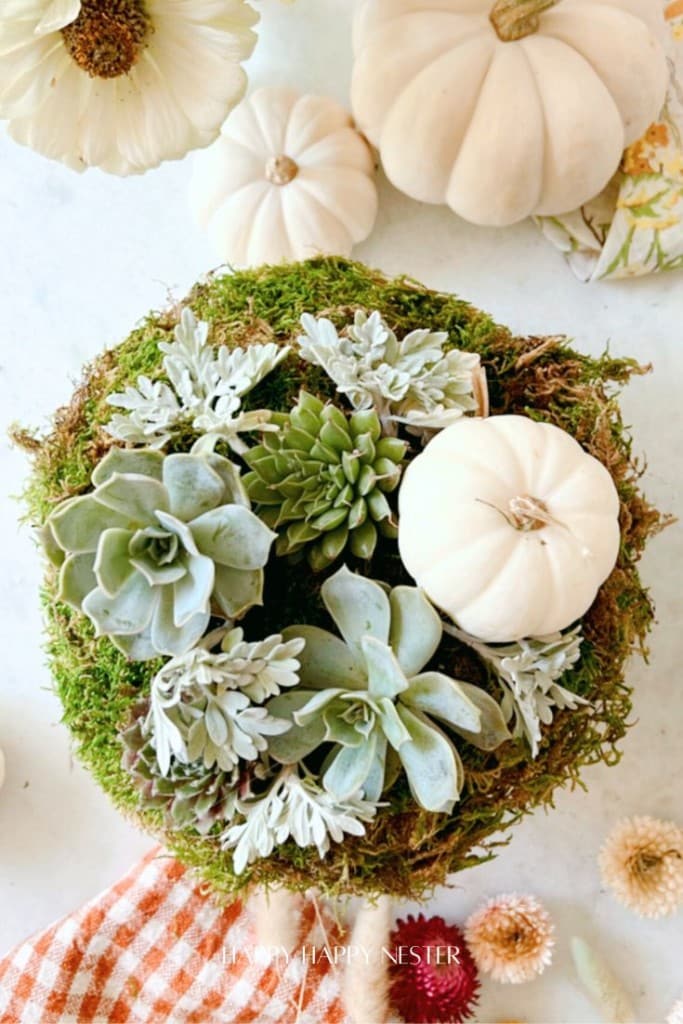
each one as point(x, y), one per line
point(277, 677)
point(162, 545)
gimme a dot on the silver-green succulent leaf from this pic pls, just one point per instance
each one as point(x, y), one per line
point(413, 381)
point(528, 672)
point(366, 694)
point(294, 807)
point(204, 393)
point(158, 545)
point(322, 481)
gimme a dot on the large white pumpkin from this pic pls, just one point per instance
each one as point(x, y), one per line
point(508, 526)
point(501, 128)
point(289, 178)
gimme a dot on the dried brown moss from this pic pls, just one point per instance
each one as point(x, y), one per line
point(406, 851)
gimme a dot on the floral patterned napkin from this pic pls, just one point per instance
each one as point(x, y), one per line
point(635, 226)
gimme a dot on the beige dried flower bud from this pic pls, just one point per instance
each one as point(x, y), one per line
point(642, 863)
point(511, 938)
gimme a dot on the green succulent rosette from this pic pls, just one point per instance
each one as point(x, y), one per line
point(322, 481)
point(189, 795)
point(157, 541)
point(367, 694)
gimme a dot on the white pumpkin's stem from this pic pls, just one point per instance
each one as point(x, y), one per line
point(480, 390)
point(527, 513)
point(277, 918)
point(515, 19)
point(280, 170)
point(365, 991)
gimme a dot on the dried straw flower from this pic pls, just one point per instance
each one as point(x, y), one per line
point(642, 863)
point(676, 1015)
point(438, 982)
point(511, 938)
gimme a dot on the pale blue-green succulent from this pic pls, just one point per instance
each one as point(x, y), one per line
point(366, 694)
point(158, 545)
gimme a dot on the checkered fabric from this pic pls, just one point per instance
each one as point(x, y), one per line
point(155, 948)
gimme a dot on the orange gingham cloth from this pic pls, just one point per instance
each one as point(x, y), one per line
point(155, 949)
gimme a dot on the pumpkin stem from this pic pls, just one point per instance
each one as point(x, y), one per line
point(515, 19)
point(280, 170)
point(527, 513)
point(480, 392)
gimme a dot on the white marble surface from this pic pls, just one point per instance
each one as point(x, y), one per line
point(81, 259)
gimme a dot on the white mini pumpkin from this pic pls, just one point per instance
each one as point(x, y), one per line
point(501, 128)
point(509, 526)
point(289, 178)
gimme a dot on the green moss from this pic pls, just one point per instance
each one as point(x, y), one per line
point(407, 851)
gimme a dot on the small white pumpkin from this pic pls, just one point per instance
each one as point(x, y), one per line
point(509, 526)
point(289, 178)
point(506, 108)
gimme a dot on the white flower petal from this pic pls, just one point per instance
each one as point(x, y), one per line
point(27, 84)
point(53, 129)
point(58, 14)
point(201, 91)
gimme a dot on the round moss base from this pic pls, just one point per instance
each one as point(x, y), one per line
point(406, 851)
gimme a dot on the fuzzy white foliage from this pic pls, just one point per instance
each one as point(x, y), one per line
point(260, 669)
point(603, 986)
point(412, 381)
point(205, 391)
point(294, 807)
point(365, 988)
point(202, 704)
point(528, 670)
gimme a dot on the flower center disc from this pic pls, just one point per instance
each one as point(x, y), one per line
point(108, 36)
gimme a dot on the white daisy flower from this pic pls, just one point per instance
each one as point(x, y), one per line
point(121, 84)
